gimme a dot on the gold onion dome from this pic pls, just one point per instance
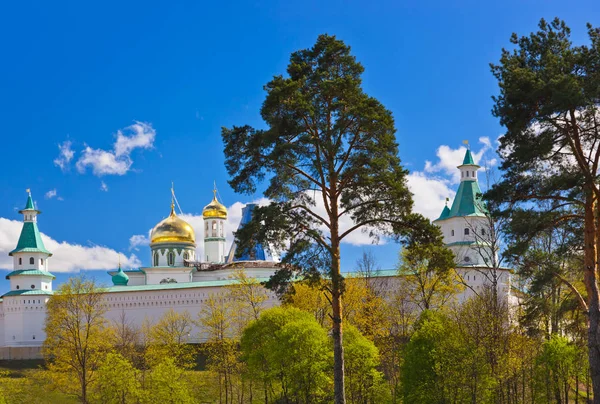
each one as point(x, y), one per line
point(172, 230)
point(215, 209)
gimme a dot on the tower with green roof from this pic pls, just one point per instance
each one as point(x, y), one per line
point(30, 257)
point(30, 284)
point(464, 224)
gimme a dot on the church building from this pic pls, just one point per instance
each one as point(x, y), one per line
point(178, 279)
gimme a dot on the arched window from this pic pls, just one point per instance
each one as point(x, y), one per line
point(20, 261)
point(186, 256)
point(41, 261)
point(452, 233)
point(171, 258)
point(17, 286)
point(483, 232)
point(473, 174)
point(466, 232)
point(155, 259)
point(467, 173)
point(31, 260)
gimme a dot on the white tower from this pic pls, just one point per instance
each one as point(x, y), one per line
point(30, 284)
point(215, 216)
point(467, 229)
point(465, 225)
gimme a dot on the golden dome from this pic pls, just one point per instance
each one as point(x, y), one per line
point(215, 209)
point(173, 230)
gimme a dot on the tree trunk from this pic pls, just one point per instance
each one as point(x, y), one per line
point(591, 284)
point(337, 332)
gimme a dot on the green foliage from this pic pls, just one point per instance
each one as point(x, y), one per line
point(364, 383)
point(560, 365)
point(287, 350)
point(78, 336)
point(118, 381)
point(167, 383)
point(440, 366)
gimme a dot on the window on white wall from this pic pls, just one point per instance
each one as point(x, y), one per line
point(20, 261)
point(452, 233)
point(156, 259)
point(171, 259)
point(41, 261)
point(466, 232)
point(31, 260)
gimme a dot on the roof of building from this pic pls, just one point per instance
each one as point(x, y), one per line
point(215, 209)
point(172, 230)
point(468, 160)
point(30, 272)
point(445, 213)
point(467, 201)
point(27, 292)
point(30, 240)
point(120, 278)
point(29, 204)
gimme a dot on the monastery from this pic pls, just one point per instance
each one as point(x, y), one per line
point(180, 280)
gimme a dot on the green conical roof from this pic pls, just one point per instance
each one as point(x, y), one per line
point(445, 213)
point(468, 160)
point(30, 240)
point(468, 201)
point(29, 205)
point(120, 278)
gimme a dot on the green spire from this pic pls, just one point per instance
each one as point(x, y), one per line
point(29, 206)
point(468, 160)
point(30, 240)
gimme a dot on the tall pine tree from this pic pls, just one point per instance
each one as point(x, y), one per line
point(330, 155)
point(549, 103)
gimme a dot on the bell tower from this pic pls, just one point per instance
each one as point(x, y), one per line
point(215, 216)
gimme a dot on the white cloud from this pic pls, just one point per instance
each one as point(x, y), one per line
point(50, 194)
point(117, 161)
point(103, 186)
point(103, 162)
point(138, 240)
point(142, 137)
point(65, 155)
point(429, 193)
point(66, 257)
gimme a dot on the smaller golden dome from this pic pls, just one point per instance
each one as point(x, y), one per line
point(173, 230)
point(215, 209)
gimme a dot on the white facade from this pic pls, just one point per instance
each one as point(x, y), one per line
point(177, 279)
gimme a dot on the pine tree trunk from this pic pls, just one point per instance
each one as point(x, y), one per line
point(591, 284)
point(336, 303)
point(336, 292)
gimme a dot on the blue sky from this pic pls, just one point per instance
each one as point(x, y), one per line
point(81, 72)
